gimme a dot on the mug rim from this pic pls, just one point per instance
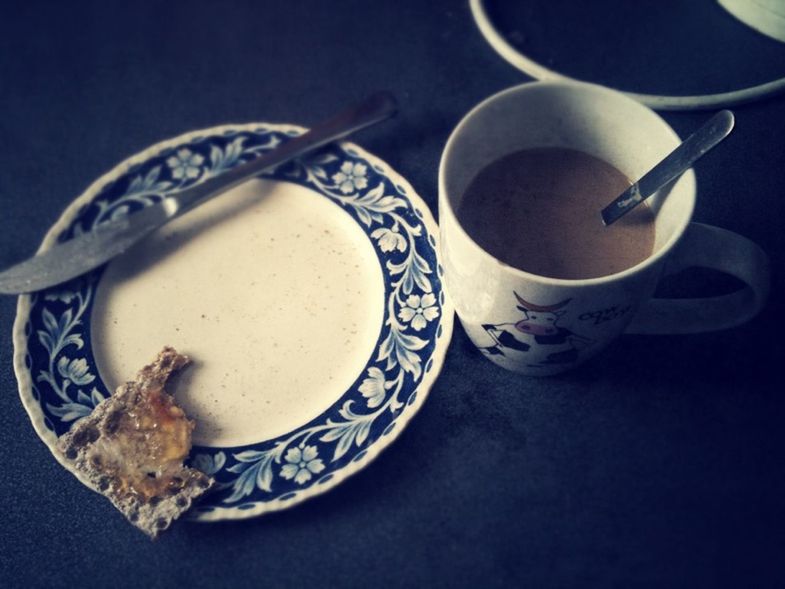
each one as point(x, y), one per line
point(446, 206)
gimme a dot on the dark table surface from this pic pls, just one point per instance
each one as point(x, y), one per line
point(660, 463)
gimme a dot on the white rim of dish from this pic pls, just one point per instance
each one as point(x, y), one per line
point(540, 72)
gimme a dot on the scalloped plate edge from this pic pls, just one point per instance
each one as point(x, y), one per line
point(444, 333)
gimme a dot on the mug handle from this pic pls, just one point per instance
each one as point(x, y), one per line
point(709, 247)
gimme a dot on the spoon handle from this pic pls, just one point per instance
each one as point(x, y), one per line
point(674, 165)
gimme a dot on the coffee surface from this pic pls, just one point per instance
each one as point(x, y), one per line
point(539, 210)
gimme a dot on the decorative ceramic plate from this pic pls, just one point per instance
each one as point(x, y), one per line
point(310, 301)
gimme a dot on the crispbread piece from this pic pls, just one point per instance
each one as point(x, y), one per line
point(132, 446)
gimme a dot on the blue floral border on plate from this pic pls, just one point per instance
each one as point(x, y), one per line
point(57, 354)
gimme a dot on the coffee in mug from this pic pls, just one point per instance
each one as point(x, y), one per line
point(538, 210)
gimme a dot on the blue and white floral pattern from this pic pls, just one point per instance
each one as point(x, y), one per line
point(301, 464)
point(351, 177)
point(185, 164)
point(53, 336)
point(419, 310)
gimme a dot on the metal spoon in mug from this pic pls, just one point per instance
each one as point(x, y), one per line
point(674, 165)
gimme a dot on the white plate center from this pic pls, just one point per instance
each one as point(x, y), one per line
point(274, 291)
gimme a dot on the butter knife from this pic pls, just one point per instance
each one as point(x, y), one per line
point(81, 254)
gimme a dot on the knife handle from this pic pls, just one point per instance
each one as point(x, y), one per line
point(375, 108)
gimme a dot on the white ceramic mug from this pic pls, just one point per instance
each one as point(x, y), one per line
point(541, 326)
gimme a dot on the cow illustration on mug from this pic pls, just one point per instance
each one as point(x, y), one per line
point(539, 326)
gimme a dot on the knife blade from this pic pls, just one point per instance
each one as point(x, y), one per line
point(76, 256)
